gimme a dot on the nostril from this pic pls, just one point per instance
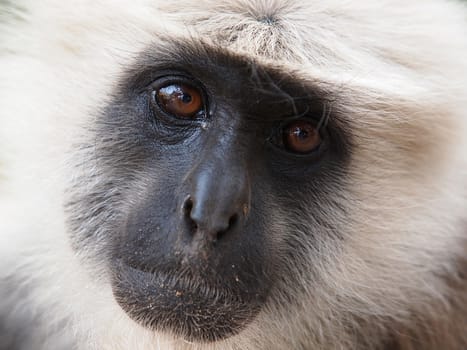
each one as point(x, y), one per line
point(232, 223)
point(205, 221)
point(187, 208)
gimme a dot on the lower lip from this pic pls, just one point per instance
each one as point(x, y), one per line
point(190, 308)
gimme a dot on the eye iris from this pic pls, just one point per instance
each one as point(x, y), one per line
point(180, 100)
point(301, 137)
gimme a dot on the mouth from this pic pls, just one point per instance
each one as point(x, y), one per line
point(189, 306)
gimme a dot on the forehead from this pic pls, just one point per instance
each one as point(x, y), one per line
point(344, 46)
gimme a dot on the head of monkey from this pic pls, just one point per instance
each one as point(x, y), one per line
point(255, 174)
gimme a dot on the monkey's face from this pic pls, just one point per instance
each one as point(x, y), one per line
point(209, 185)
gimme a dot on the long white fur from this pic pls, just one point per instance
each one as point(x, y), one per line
point(398, 69)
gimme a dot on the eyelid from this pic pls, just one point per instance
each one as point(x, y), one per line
point(176, 78)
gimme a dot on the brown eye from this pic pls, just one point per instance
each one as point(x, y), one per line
point(180, 100)
point(301, 137)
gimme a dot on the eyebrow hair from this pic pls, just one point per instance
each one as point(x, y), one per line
point(181, 55)
point(194, 55)
point(199, 59)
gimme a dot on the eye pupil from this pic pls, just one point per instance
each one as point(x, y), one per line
point(179, 100)
point(186, 98)
point(301, 137)
point(301, 134)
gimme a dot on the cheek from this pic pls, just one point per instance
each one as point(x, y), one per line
point(150, 226)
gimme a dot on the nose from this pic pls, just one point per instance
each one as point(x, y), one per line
point(218, 201)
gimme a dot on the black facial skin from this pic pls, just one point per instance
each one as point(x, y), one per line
point(189, 232)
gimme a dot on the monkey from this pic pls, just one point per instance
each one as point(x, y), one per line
point(245, 174)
